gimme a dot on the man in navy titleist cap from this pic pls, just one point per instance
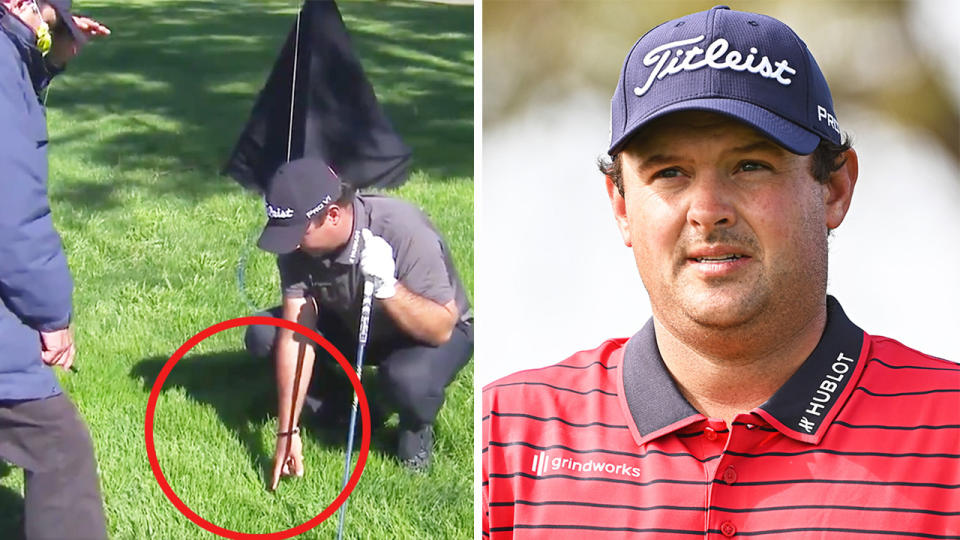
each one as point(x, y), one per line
point(749, 404)
point(328, 240)
point(40, 429)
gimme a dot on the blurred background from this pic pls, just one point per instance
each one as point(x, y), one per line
point(553, 274)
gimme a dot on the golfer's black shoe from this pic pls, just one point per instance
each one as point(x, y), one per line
point(415, 448)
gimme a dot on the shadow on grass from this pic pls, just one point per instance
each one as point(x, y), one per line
point(11, 508)
point(172, 88)
point(242, 391)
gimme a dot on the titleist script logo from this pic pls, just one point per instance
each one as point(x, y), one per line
point(277, 212)
point(824, 393)
point(667, 61)
point(541, 462)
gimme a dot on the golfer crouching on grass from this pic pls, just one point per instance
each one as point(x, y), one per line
point(40, 429)
point(329, 240)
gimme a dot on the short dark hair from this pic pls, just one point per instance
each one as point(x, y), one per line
point(826, 160)
point(347, 194)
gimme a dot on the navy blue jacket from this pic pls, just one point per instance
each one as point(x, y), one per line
point(35, 283)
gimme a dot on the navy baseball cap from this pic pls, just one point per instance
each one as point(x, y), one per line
point(298, 191)
point(65, 17)
point(747, 66)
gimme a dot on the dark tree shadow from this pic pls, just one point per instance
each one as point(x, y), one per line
point(242, 391)
point(11, 508)
point(176, 77)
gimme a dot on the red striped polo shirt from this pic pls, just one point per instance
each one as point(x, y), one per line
point(863, 441)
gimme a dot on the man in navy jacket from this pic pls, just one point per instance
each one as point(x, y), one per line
point(40, 430)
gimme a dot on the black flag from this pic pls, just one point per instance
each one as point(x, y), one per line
point(335, 117)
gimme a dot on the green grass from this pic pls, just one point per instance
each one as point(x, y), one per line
point(139, 126)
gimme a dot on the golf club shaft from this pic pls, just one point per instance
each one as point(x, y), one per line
point(361, 346)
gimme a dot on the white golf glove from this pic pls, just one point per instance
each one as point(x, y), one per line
point(376, 263)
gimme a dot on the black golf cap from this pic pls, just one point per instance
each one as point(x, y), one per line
point(65, 17)
point(298, 191)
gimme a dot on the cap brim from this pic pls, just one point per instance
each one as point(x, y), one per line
point(782, 131)
point(281, 239)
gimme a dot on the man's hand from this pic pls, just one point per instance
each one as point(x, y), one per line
point(376, 262)
point(287, 458)
point(90, 27)
point(65, 47)
point(57, 348)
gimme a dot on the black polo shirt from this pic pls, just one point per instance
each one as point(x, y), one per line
point(863, 441)
point(424, 267)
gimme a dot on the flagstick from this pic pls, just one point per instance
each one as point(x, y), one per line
point(296, 378)
point(293, 85)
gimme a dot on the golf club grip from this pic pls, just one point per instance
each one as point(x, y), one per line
point(365, 310)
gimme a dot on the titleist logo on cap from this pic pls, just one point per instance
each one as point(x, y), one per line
point(686, 60)
point(276, 212)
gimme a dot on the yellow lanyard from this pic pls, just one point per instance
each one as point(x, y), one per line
point(44, 39)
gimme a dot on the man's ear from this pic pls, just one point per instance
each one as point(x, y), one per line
point(334, 215)
point(839, 189)
point(619, 206)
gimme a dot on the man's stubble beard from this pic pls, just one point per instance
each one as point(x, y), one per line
point(755, 312)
